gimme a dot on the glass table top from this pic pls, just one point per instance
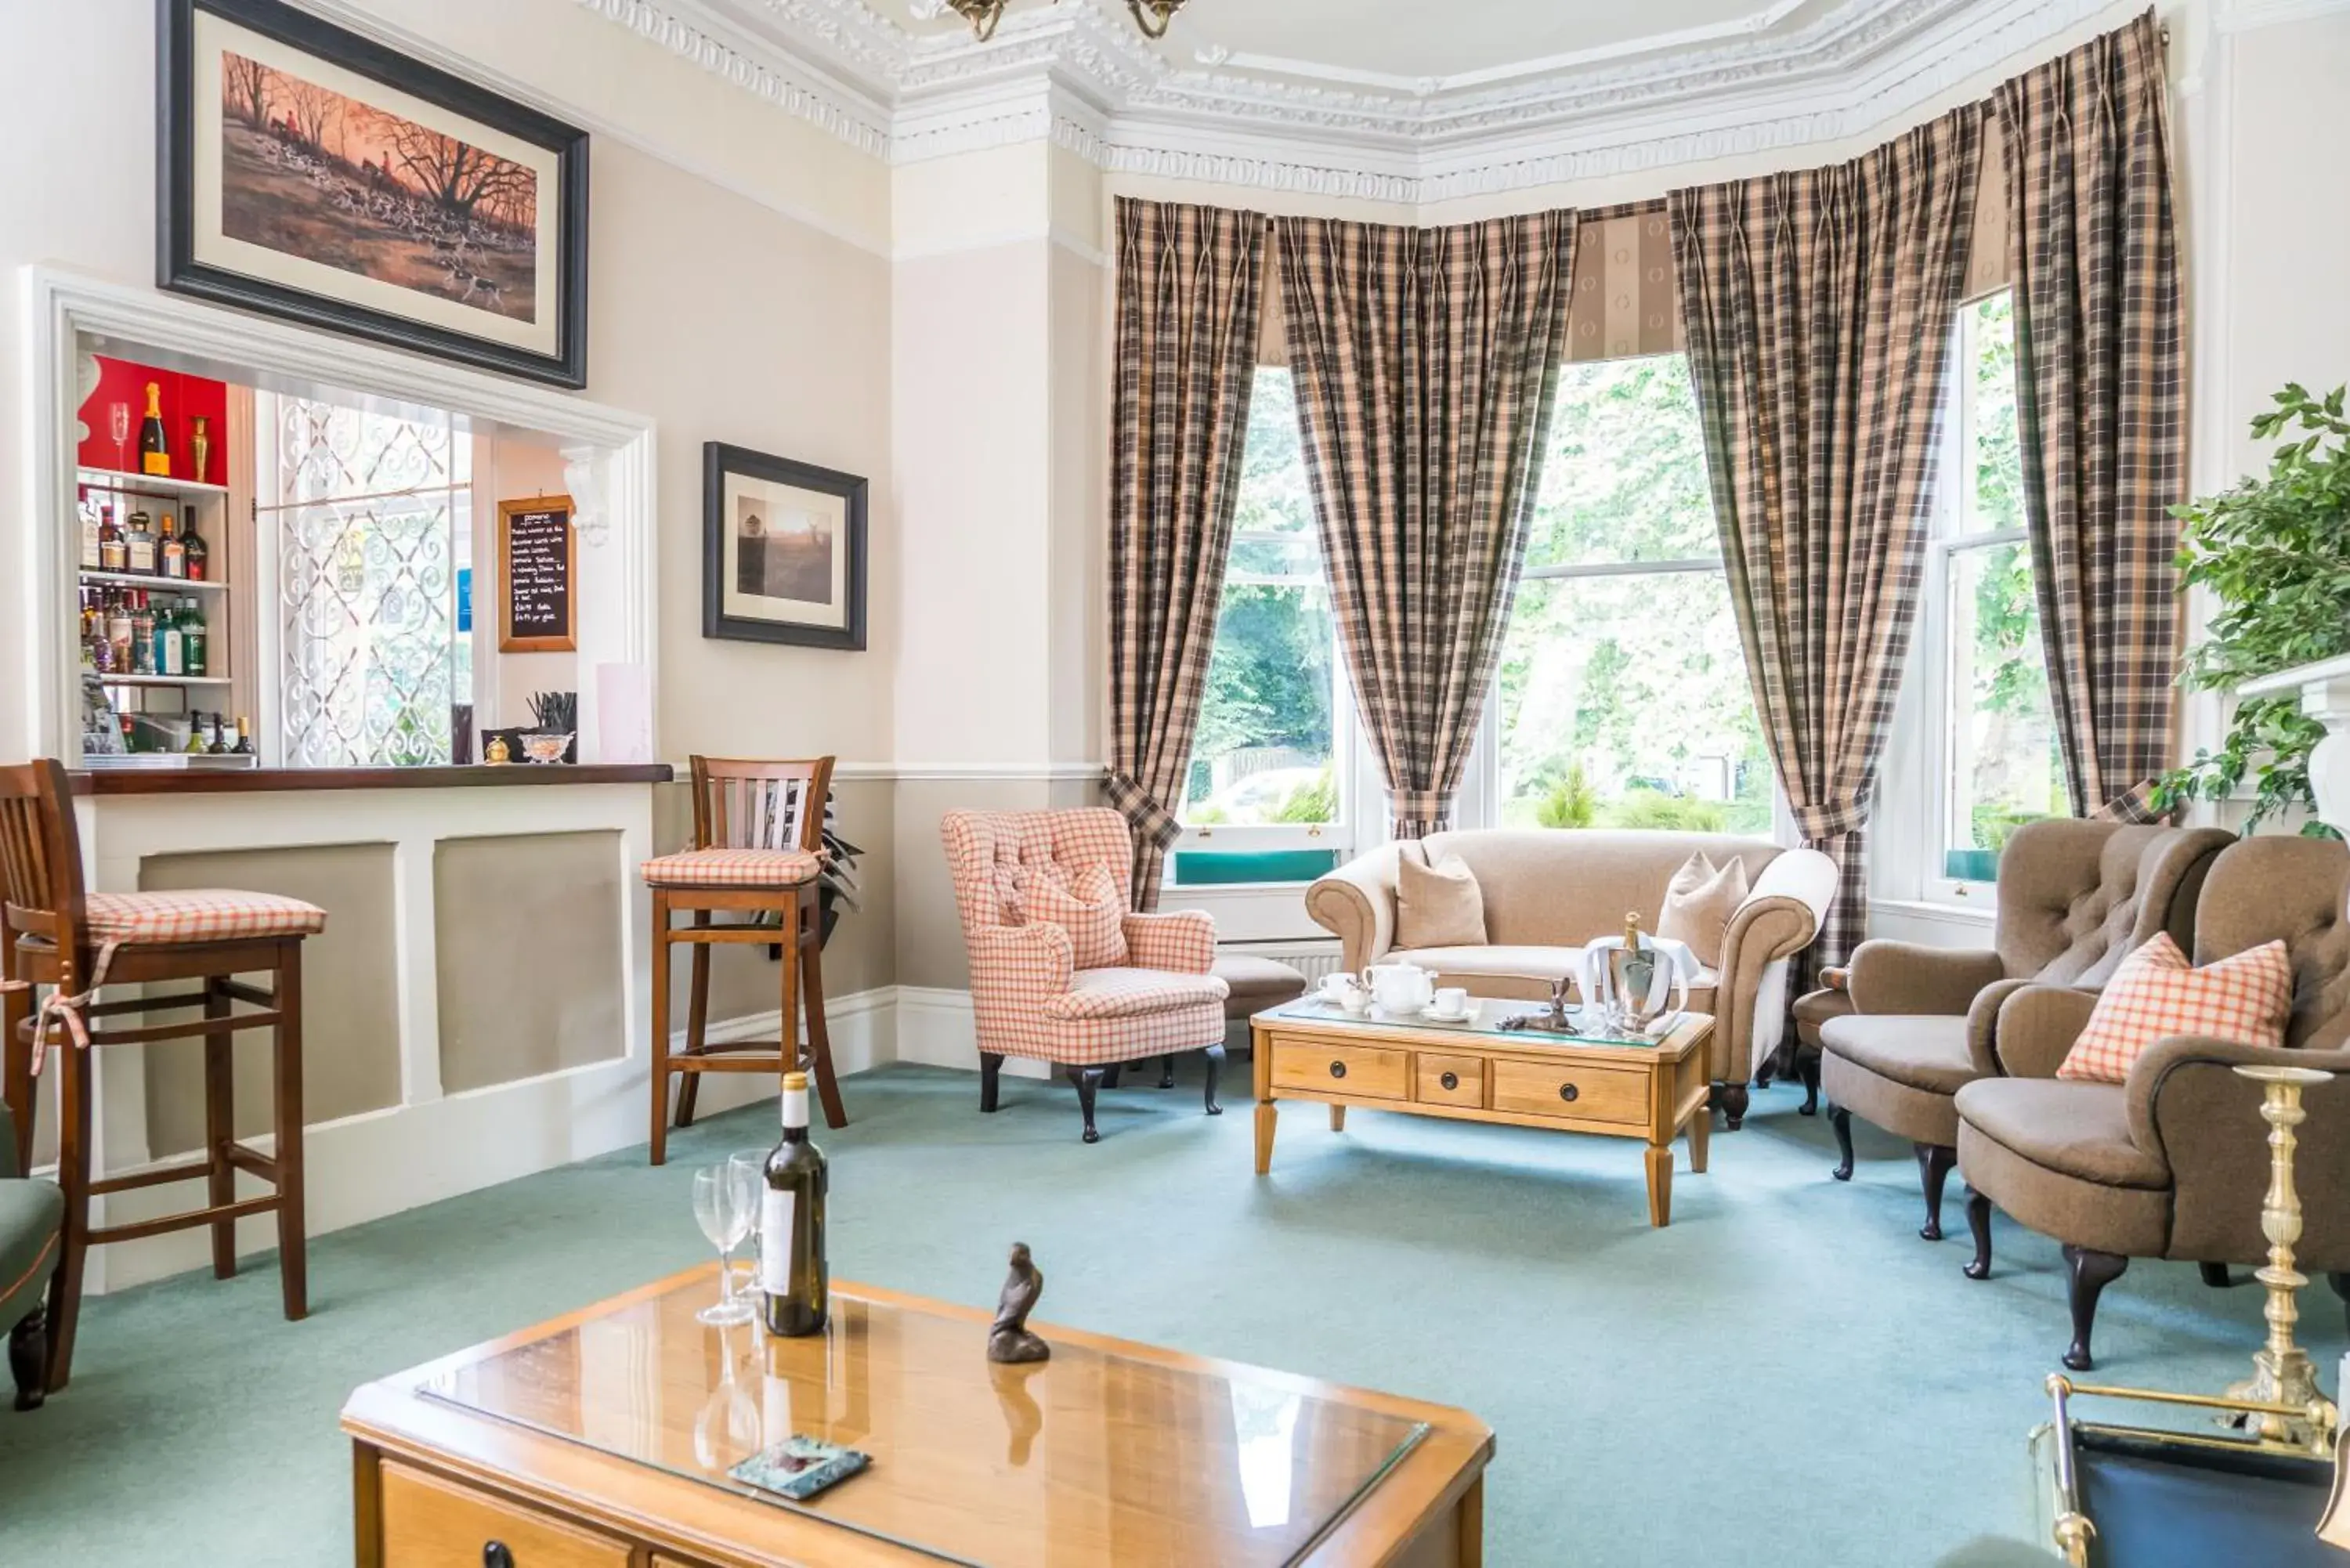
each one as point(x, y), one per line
point(1486, 1017)
point(1088, 1457)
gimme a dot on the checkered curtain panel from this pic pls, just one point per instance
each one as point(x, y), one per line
point(1425, 361)
point(1817, 307)
point(2101, 400)
point(1189, 291)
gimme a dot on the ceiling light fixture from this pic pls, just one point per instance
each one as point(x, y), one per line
point(1151, 15)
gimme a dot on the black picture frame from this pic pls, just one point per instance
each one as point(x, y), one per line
point(720, 460)
point(179, 98)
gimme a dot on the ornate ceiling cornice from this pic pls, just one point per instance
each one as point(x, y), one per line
point(1081, 75)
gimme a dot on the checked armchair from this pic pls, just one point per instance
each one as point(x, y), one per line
point(1030, 999)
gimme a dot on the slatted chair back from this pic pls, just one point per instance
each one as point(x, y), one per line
point(746, 804)
point(40, 864)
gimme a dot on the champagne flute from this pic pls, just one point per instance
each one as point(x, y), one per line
point(725, 1220)
point(117, 425)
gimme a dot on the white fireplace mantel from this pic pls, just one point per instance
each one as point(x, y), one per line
point(2324, 692)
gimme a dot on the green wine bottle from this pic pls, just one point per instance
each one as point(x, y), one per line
point(793, 1279)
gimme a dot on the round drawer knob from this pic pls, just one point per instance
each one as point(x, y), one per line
point(1450, 1080)
point(1337, 1069)
point(496, 1554)
point(1569, 1092)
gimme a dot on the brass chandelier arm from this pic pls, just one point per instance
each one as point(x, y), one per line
point(1152, 17)
point(1145, 10)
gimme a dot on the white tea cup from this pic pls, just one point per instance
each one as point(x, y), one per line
point(1451, 1002)
point(1334, 987)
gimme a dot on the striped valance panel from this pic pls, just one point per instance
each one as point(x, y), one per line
point(1627, 302)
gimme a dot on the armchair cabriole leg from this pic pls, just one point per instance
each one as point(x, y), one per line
point(1979, 1225)
point(28, 1358)
point(1167, 1071)
point(1840, 1122)
point(991, 1068)
point(1113, 1075)
point(2216, 1275)
point(1215, 1055)
point(1733, 1100)
point(1087, 1080)
point(2089, 1273)
point(1807, 1068)
point(1934, 1163)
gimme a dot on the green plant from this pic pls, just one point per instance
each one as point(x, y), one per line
point(2276, 553)
point(1315, 802)
point(1570, 803)
point(1674, 813)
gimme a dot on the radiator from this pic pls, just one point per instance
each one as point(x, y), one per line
point(1311, 958)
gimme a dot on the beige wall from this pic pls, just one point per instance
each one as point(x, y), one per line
point(527, 931)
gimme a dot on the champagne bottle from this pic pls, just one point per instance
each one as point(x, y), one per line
point(792, 1277)
point(154, 451)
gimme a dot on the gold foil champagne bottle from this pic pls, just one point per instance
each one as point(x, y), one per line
point(794, 1283)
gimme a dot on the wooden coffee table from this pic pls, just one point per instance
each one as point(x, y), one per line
point(602, 1439)
point(1475, 1071)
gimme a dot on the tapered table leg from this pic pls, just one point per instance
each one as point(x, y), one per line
point(1267, 1118)
point(1660, 1184)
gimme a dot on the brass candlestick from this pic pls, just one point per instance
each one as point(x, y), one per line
point(2281, 1373)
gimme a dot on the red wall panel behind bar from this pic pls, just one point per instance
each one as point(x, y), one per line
point(184, 398)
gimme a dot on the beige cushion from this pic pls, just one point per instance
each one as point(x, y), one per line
point(2080, 1129)
point(1920, 1050)
point(1699, 902)
point(1438, 906)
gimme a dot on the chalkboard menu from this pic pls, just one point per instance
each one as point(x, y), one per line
point(534, 575)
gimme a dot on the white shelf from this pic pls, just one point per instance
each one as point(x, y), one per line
point(121, 483)
point(163, 681)
point(168, 585)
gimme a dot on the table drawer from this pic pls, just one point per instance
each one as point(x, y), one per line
point(1365, 1072)
point(1572, 1090)
point(430, 1522)
point(1449, 1080)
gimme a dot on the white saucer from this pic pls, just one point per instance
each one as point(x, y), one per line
point(1463, 1016)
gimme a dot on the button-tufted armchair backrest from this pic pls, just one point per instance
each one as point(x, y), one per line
point(986, 851)
point(2273, 887)
point(2075, 897)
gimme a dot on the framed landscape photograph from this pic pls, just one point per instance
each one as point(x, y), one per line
point(310, 173)
point(782, 550)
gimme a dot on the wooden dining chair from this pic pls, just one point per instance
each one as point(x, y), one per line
point(758, 850)
point(72, 943)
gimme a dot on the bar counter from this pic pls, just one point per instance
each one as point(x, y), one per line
point(266, 781)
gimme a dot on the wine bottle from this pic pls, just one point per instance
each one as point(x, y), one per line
point(172, 552)
point(244, 747)
point(792, 1276)
point(138, 546)
point(113, 550)
point(154, 451)
point(218, 746)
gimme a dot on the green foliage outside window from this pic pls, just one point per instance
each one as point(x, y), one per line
point(2276, 553)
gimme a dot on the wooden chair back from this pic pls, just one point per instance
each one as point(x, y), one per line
point(745, 805)
point(40, 862)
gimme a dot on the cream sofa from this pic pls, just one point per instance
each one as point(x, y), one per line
point(1547, 893)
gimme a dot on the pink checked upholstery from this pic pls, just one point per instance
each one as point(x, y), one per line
point(733, 869)
point(206, 915)
point(1030, 999)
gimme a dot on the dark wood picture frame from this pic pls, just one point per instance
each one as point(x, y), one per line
point(718, 461)
point(179, 99)
point(507, 512)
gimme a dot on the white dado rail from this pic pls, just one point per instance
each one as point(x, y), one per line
point(2323, 688)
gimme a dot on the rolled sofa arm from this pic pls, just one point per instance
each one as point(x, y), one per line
point(1779, 917)
point(2025, 1030)
point(1904, 976)
point(1356, 904)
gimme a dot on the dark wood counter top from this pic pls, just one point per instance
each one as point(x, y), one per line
point(266, 781)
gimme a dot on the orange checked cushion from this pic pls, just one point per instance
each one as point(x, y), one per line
point(734, 868)
point(2156, 994)
point(1090, 905)
point(202, 915)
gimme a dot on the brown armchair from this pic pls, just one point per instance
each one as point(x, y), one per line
point(2173, 1163)
point(2075, 897)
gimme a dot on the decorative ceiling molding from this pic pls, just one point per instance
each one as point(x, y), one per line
point(1077, 73)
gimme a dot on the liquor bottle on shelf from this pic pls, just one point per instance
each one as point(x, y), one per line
point(113, 549)
point(244, 747)
point(792, 1280)
point(170, 650)
point(118, 629)
point(142, 634)
point(196, 747)
point(219, 744)
point(154, 450)
point(92, 556)
point(138, 546)
point(196, 637)
point(171, 551)
point(93, 638)
point(198, 554)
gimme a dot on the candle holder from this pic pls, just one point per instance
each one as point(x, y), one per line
point(2282, 1376)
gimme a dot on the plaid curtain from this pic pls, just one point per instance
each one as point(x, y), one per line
point(1190, 289)
point(1426, 360)
point(2101, 401)
point(1818, 309)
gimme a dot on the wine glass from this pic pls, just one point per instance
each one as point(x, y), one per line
point(749, 1166)
point(725, 1220)
point(117, 425)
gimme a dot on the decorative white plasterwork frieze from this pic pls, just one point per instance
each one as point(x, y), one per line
point(1079, 74)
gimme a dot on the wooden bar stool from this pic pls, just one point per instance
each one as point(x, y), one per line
point(54, 935)
point(758, 849)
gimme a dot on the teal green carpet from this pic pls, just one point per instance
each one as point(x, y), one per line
point(1785, 1376)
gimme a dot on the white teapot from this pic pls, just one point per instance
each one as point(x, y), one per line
point(1399, 988)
